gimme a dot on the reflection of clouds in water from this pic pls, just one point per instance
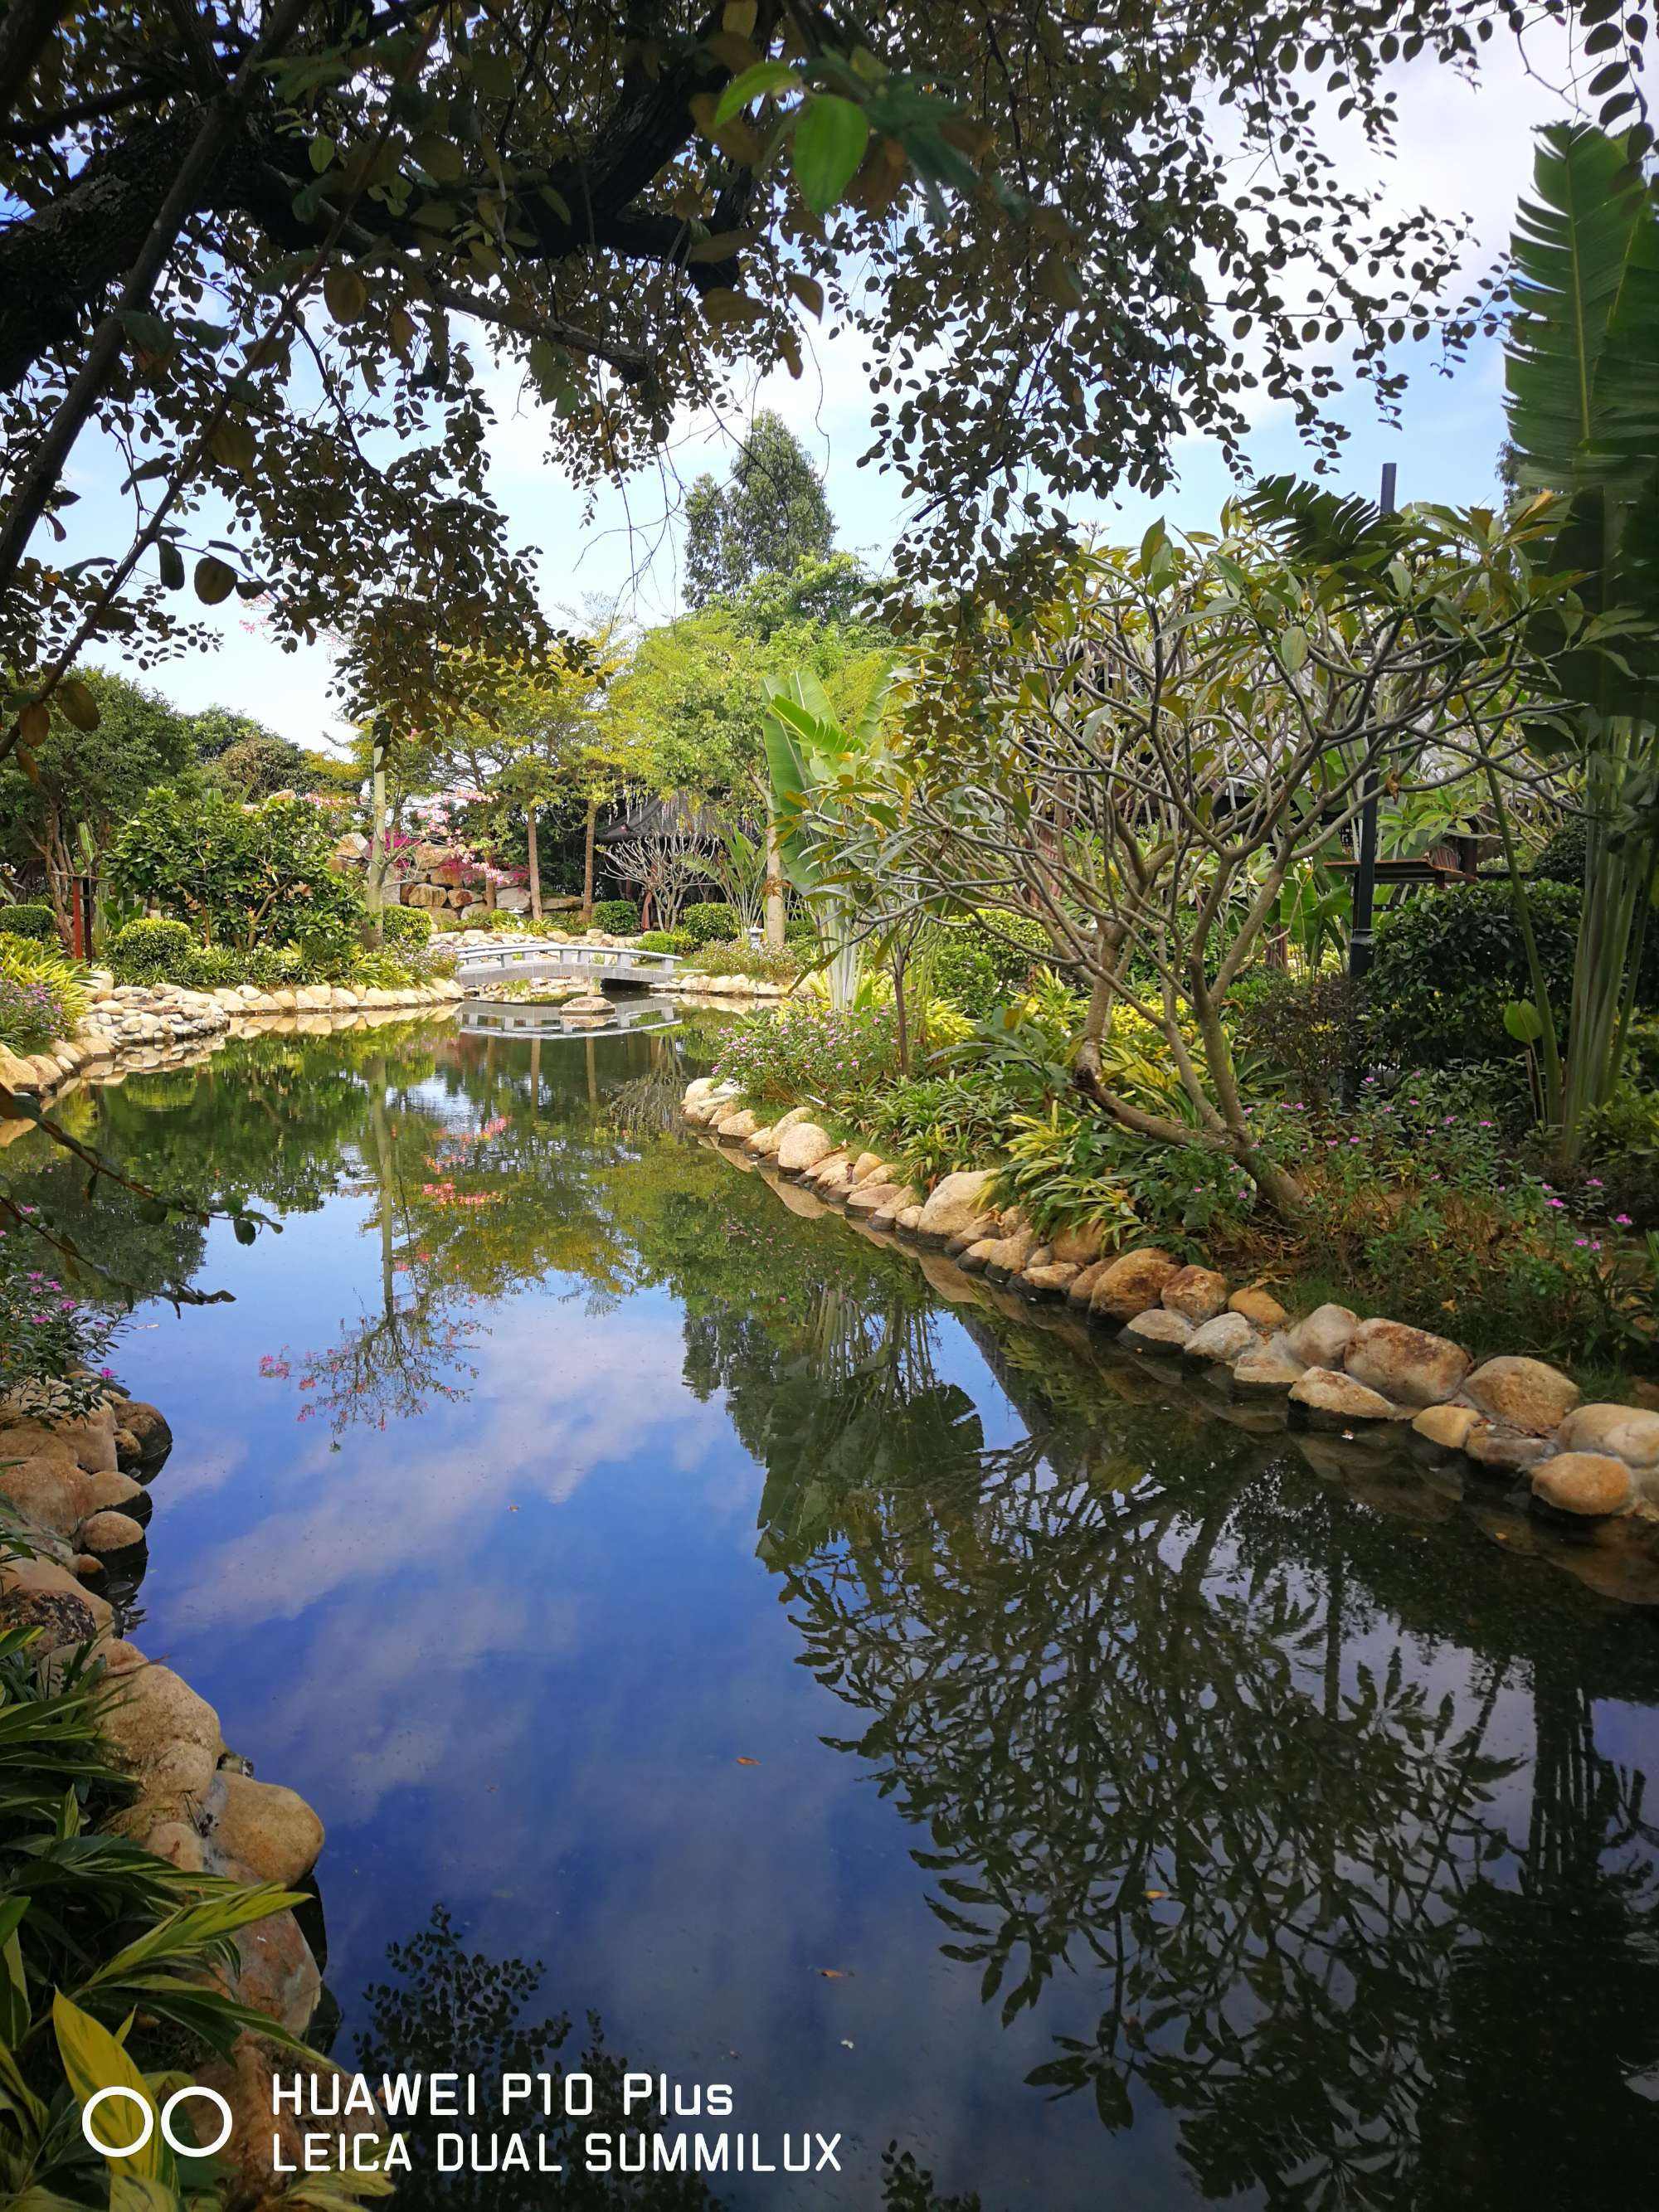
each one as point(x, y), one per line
point(555, 1401)
point(417, 1717)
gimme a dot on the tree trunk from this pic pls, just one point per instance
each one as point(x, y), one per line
point(535, 863)
point(899, 964)
point(25, 28)
point(376, 884)
point(588, 828)
point(774, 917)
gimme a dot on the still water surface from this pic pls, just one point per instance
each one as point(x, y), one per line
point(843, 1693)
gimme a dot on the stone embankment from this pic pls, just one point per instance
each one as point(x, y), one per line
point(1512, 1420)
point(138, 1026)
point(77, 1503)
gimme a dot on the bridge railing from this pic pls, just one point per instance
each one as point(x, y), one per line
point(516, 955)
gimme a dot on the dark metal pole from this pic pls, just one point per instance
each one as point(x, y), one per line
point(1361, 941)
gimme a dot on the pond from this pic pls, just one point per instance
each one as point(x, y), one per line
point(844, 1692)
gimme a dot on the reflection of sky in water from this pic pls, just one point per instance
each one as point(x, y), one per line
point(513, 1649)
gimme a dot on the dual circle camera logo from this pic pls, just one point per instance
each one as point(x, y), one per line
point(149, 2118)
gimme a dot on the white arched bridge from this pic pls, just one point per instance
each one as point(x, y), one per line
point(544, 960)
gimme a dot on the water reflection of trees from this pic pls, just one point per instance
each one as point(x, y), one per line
point(448, 2010)
point(1318, 1806)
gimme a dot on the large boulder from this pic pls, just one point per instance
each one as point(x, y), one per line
point(149, 1424)
point(156, 1715)
point(1409, 1365)
point(1259, 1307)
point(1009, 1255)
point(90, 1445)
point(1221, 1340)
point(1333, 1400)
point(1523, 1393)
point(1503, 1451)
point(263, 1831)
point(1587, 1485)
point(1321, 1338)
point(874, 1197)
point(1268, 1371)
point(111, 1531)
point(1130, 1285)
point(1625, 1432)
point(735, 1128)
point(1077, 1247)
point(49, 1490)
point(29, 1591)
point(275, 1971)
point(1050, 1281)
point(1199, 1294)
point(64, 1617)
point(1081, 1287)
point(802, 1147)
point(955, 1204)
point(1158, 1329)
point(1449, 1427)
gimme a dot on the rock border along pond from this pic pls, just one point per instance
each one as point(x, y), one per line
point(1509, 1436)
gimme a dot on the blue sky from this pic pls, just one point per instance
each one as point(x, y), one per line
point(1460, 148)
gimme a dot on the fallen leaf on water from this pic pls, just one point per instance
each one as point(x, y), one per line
point(834, 1973)
point(1157, 1892)
point(846, 2043)
point(747, 1762)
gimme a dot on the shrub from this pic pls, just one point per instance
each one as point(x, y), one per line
point(392, 968)
point(40, 994)
point(239, 874)
point(212, 967)
point(760, 963)
point(1562, 861)
point(36, 921)
point(105, 1941)
point(798, 1053)
point(1306, 1028)
point(710, 921)
point(617, 917)
point(933, 1124)
point(53, 1346)
point(1621, 1159)
point(405, 925)
point(1071, 1168)
point(1447, 964)
point(664, 940)
point(979, 971)
point(152, 951)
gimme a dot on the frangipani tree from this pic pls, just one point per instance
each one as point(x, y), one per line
point(826, 777)
point(1145, 762)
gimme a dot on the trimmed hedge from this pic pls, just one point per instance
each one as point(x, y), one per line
point(152, 951)
point(710, 921)
point(38, 922)
point(405, 925)
point(617, 917)
point(1448, 962)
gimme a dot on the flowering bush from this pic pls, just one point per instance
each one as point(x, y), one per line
point(801, 1053)
point(52, 1346)
point(761, 963)
point(40, 994)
